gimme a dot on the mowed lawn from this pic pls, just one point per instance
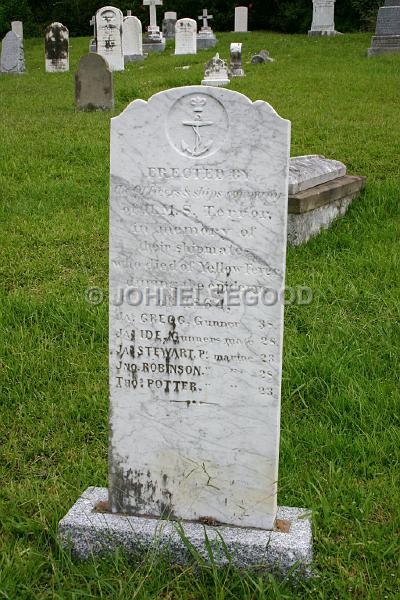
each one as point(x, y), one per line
point(340, 403)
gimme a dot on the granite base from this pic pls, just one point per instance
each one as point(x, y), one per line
point(384, 45)
point(315, 209)
point(320, 32)
point(154, 47)
point(204, 43)
point(133, 58)
point(88, 532)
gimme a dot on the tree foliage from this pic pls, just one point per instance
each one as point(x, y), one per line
point(289, 16)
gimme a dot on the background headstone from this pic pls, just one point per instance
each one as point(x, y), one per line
point(18, 28)
point(387, 33)
point(132, 39)
point(323, 22)
point(12, 54)
point(109, 36)
point(198, 200)
point(94, 83)
point(154, 40)
point(236, 60)
point(205, 37)
point(56, 43)
point(241, 18)
point(186, 36)
point(168, 25)
point(216, 72)
point(93, 41)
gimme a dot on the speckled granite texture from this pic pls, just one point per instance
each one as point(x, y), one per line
point(90, 533)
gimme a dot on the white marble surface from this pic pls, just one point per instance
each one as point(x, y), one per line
point(241, 18)
point(109, 36)
point(323, 16)
point(216, 72)
point(198, 206)
point(132, 36)
point(12, 54)
point(56, 43)
point(312, 169)
point(18, 28)
point(185, 36)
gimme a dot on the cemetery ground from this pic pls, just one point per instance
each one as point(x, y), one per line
point(339, 436)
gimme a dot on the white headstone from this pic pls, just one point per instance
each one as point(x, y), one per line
point(199, 183)
point(185, 36)
point(236, 60)
point(18, 28)
point(216, 72)
point(109, 36)
point(132, 38)
point(56, 43)
point(241, 18)
point(323, 22)
point(170, 15)
point(12, 54)
point(205, 17)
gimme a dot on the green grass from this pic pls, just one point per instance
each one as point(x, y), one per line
point(340, 436)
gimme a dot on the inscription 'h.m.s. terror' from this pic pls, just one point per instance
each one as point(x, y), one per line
point(198, 205)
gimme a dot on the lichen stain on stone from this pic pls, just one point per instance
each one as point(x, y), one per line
point(56, 44)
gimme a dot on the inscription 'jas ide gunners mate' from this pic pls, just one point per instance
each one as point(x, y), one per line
point(200, 147)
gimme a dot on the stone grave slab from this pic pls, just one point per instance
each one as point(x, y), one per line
point(185, 36)
point(387, 34)
point(56, 43)
point(241, 19)
point(312, 169)
point(323, 21)
point(94, 83)
point(109, 36)
point(198, 222)
point(12, 60)
point(132, 44)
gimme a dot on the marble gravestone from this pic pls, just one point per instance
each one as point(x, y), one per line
point(12, 54)
point(241, 18)
point(205, 37)
point(198, 217)
point(109, 36)
point(18, 28)
point(186, 36)
point(216, 72)
point(93, 41)
point(132, 39)
point(56, 42)
point(323, 22)
point(94, 84)
point(154, 40)
point(387, 34)
point(236, 60)
point(168, 25)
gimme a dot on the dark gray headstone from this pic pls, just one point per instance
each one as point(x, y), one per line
point(12, 54)
point(387, 34)
point(168, 28)
point(94, 83)
point(257, 59)
point(56, 41)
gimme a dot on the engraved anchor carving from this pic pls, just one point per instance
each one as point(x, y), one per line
point(200, 146)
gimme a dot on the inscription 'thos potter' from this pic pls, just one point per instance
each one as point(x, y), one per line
point(199, 173)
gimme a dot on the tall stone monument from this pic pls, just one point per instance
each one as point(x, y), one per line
point(132, 38)
point(94, 84)
point(198, 215)
point(387, 33)
point(236, 60)
point(323, 22)
point(12, 54)
point(241, 19)
point(109, 36)
point(185, 36)
point(56, 43)
point(205, 37)
point(154, 40)
point(168, 25)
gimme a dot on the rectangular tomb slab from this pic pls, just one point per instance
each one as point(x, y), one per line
point(198, 217)
point(313, 169)
point(90, 531)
